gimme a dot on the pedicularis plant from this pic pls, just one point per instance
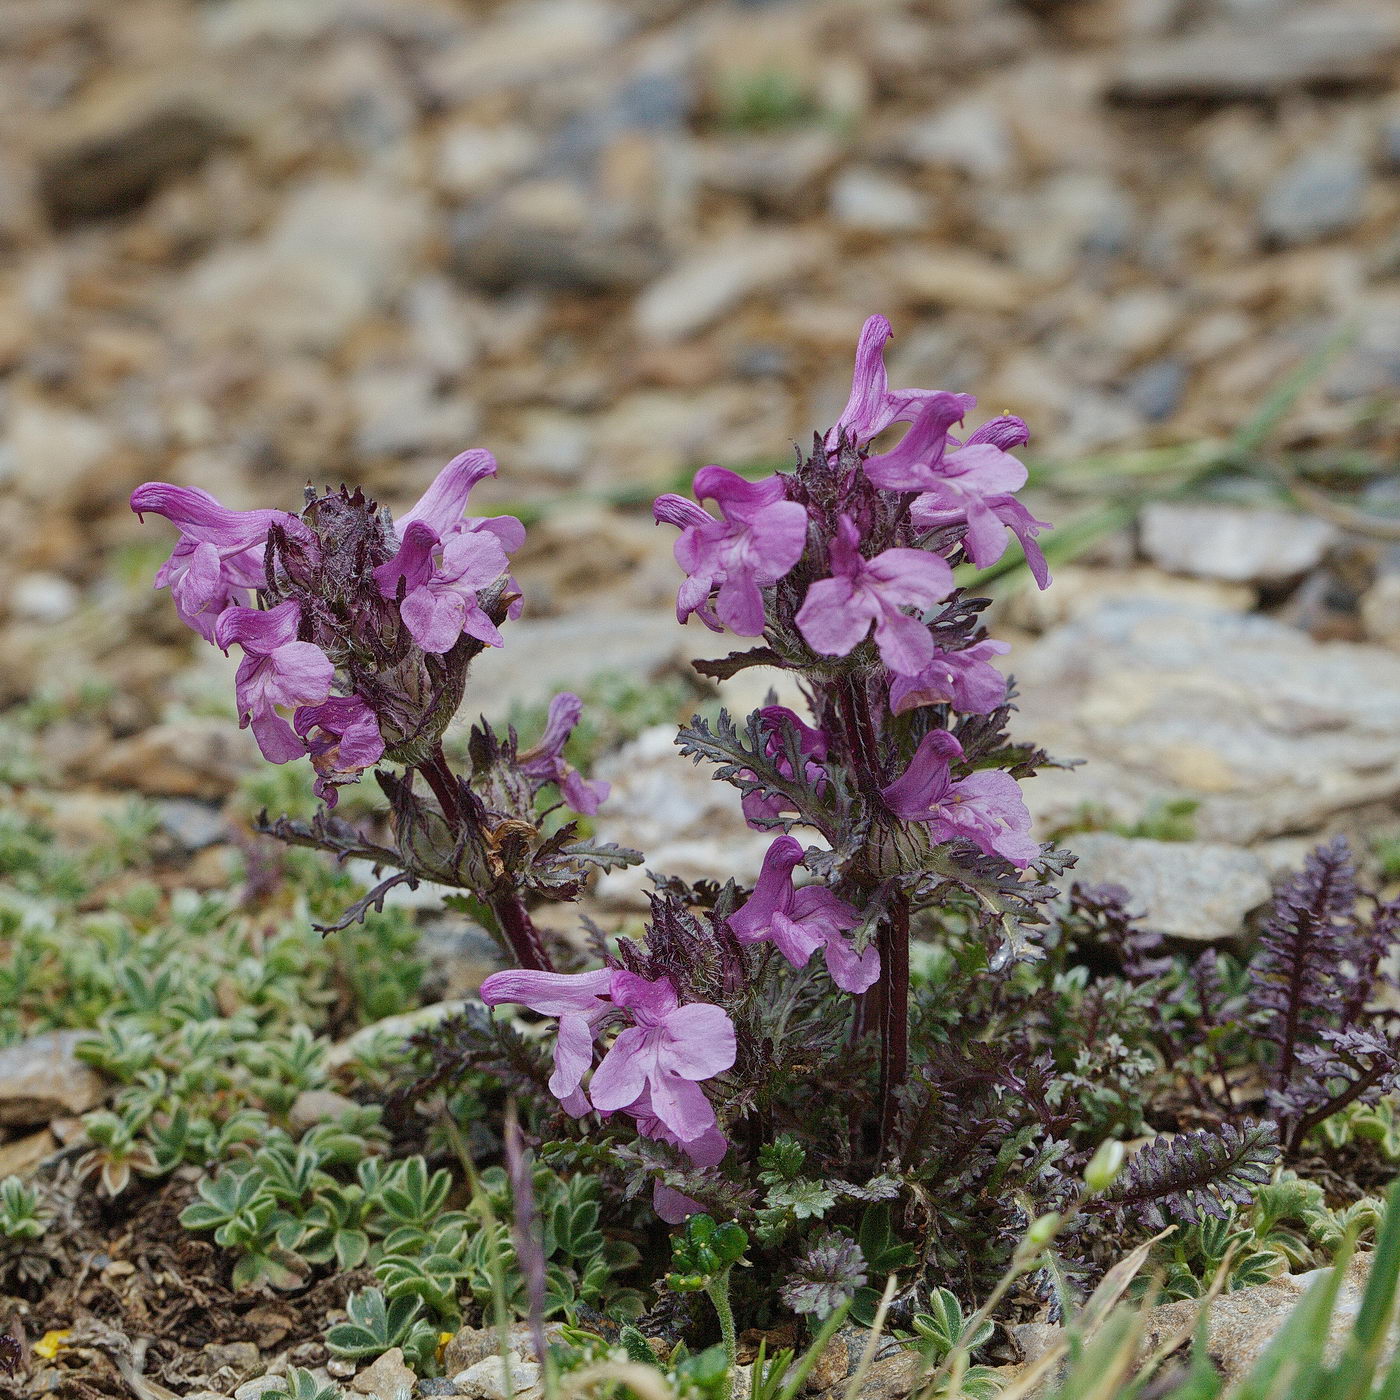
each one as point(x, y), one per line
point(715, 1059)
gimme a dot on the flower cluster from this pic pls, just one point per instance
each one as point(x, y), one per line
point(356, 632)
point(362, 626)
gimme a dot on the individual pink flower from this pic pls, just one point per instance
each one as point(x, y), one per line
point(545, 762)
point(812, 744)
point(578, 999)
point(965, 679)
point(664, 1053)
point(441, 578)
point(758, 540)
point(276, 670)
point(838, 612)
point(342, 736)
point(975, 485)
point(985, 807)
point(707, 1150)
point(219, 557)
point(799, 921)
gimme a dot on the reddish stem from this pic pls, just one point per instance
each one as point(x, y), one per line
point(461, 809)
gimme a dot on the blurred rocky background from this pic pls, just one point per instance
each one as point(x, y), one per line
point(245, 244)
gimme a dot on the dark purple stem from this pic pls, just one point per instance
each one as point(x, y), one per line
point(894, 1009)
point(462, 811)
point(889, 998)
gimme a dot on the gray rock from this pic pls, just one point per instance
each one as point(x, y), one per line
point(677, 815)
point(259, 1386)
point(486, 1380)
point(505, 247)
point(313, 1106)
point(530, 41)
point(339, 249)
point(1323, 192)
point(871, 201)
point(774, 171)
point(1239, 1325)
point(41, 1078)
point(395, 1027)
point(387, 1379)
point(702, 289)
point(1267, 730)
point(1199, 890)
point(972, 136)
point(43, 597)
point(560, 653)
point(1380, 610)
point(1235, 544)
point(1156, 389)
point(54, 453)
point(203, 757)
point(194, 825)
point(123, 144)
point(1318, 44)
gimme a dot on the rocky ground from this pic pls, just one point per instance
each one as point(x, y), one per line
point(244, 243)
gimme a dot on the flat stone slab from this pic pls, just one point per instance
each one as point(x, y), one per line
point(1198, 890)
point(41, 1079)
point(1268, 731)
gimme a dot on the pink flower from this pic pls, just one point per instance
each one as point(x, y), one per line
point(219, 557)
point(545, 762)
point(579, 1001)
point(799, 921)
point(985, 807)
point(661, 1055)
point(837, 614)
point(667, 1049)
point(440, 579)
point(708, 1150)
point(759, 539)
point(965, 679)
point(776, 720)
point(974, 485)
point(276, 670)
point(342, 736)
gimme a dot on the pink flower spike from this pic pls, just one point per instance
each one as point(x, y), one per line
point(812, 744)
point(838, 612)
point(342, 736)
point(578, 1000)
point(707, 1150)
point(545, 762)
point(985, 807)
point(666, 1050)
point(276, 670)
point(799, 921)
point(965, 679)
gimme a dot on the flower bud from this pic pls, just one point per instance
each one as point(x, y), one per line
point(1104, 1166)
